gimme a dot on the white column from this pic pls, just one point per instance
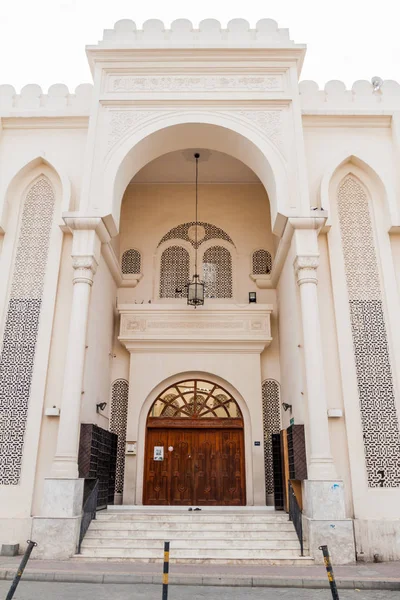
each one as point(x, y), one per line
point(65, 464)
point(321, 466)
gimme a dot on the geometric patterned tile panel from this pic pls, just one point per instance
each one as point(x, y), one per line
point(22, 324)
point(262, 262)
point(371, 349)
point(206, 231)
point(130, 263)
point(217, 272)
point(174, 272)
point(118, 423)
point(271, 424)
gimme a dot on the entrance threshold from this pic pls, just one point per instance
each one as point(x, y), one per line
point(166, 508)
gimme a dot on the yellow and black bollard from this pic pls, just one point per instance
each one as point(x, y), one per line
point(165, 572)
point(22, 566)
point(329, 570)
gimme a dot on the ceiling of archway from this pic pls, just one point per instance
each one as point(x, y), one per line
point(175, 167)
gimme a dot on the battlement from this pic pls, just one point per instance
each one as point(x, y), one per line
point(335, 96)
point(209, 34)
point(57, 100)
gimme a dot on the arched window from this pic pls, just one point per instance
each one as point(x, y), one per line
point(217, 272)
point(174, 272)
point(369, 330)
point(271, 424)
point(131, 262)
point(118, 422)
point(17, 356)
point(261, 262)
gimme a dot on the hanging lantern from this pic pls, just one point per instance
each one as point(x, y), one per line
point(195, 295)
point(195, 288)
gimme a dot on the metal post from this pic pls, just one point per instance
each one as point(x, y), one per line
point(22, 566)
point(329, 570)
point(165, 571)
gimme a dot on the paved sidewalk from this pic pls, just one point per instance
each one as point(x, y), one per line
point(381, 576)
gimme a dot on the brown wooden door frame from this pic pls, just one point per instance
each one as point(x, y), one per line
point(218, 486)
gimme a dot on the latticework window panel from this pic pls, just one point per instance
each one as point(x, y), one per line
point(261, 262)
point(131, 262)
point(22, 325)
point(379, 417)
point(205, 232)
point(174, 272)
point(217, 272)
point(118, 423)
point(271, 424)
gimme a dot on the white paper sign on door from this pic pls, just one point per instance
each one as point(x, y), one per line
point(158, 452)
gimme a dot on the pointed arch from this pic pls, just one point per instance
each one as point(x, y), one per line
point(371, 178)
point(21, 178)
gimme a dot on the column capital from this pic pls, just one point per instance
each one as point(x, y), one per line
point(305, 267)
point(85, 268)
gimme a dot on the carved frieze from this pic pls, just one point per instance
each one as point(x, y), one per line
point(161, 323)
point(198, 83)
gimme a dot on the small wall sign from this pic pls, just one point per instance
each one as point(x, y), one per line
point(257, 443)
point(158, 453)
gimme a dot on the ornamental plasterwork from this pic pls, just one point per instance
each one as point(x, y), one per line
point(123, 120)
point(267, 122)
point(214, 83)
point(244, 324)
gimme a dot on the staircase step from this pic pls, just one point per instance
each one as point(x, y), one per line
point(189, 553)
point(182, 534)
point(189, 544)
point(192, 517)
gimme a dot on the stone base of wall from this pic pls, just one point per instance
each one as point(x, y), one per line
point(337, 535)
point(377, 536)
point(56, 538)
point(16, 531)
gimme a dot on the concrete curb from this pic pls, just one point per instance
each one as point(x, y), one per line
point(286, 582)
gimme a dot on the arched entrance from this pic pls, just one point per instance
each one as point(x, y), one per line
point(194, 447)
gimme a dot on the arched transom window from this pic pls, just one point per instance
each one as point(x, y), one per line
point(195, 399)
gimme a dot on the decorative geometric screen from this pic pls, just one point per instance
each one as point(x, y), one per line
point(217, 272)
point(205, 231)
point(22, 324)
point(118, 422)
point(271, 424)
point(374, 373)
point(174, 272)
point(131, 262)
point(262, 262)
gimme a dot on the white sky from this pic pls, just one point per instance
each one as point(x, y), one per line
point(42, 41)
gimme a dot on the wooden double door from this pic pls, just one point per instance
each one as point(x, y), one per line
point(199, 467)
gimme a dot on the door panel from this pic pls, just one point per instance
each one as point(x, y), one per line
point(205, 467)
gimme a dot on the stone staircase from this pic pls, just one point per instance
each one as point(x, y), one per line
point(246, 535)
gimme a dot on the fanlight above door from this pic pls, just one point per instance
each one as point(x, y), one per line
point(195, 399)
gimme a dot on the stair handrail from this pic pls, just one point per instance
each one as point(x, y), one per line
point(296, 515)
point(88, 513)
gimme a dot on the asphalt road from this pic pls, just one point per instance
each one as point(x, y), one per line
point(88, 591)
